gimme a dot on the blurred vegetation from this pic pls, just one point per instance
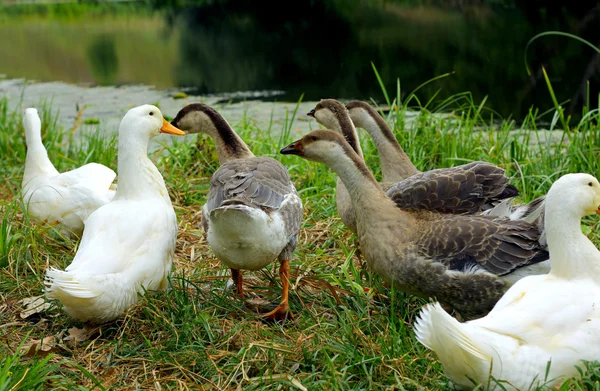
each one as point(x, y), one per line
point(323, 49)
point(316, 48)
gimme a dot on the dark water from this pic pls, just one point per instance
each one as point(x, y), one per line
point(318, 48)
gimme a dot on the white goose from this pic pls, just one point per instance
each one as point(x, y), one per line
point(128, 244)
point(67, 198)
point(553, 317)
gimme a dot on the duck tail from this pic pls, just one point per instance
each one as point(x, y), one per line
point(90, 298)
point(447, 337)
point(62, 285)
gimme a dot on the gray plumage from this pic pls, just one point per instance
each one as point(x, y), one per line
point(469, 188)
point(466, 261)
point(258, 182)
point(458, 259)
point(253, 213)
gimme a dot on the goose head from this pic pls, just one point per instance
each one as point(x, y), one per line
point(199, 118)
point(321, 145)
point(32, 122)
point(579, 193)
point(329, 113)
point(361, 113)
point(148, 121)
point(333, 115)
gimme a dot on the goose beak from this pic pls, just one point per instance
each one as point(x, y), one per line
point(170, 129)
point(294, 148)
point(311, 113)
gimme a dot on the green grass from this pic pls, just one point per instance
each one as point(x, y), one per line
point(198, 336)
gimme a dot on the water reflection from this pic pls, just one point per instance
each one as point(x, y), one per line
point(317, 48)
point(103, 59)
point(325, 50)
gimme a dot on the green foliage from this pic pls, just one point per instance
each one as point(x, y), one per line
point(350, 332)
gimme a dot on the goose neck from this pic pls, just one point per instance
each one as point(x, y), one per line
point(345, 126)
point(572, 254)
point(227, 143)
point(36, 160)
point(358, 180)
point(138, 176)
point(395, 164)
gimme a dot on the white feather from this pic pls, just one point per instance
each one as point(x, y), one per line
point(552, 318)
point(128, 244)
point(67, 198)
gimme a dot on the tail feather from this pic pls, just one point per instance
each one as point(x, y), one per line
point(531, 212)
point(239, 209)
point(503, 208)
point(61, 283)
point(443, 334)
point(510, 191)
point(93, 298)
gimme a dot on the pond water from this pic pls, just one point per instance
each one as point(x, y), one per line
point(317, 48)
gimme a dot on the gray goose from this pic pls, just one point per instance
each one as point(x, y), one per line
point(253, 213)
point(469, 188)
point(464, 261)
point(396, 166)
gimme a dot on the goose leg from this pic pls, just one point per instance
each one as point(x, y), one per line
point(282, 311)
point(238, 280)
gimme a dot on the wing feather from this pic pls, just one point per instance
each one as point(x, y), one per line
point(464, 189)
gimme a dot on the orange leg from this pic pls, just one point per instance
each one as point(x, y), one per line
point(282, 311)
point(236, 275)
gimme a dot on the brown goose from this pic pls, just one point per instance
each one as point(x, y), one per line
point(252, 213)
point(396, 166)
point(468, 188)
point(465, 261)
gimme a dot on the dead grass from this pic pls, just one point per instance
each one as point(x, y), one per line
point(349, 332)
point(236, 350)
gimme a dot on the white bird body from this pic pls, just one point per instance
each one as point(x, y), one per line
point(544, 318)
point(245, 237)
point(67, 198)
point(128, 244)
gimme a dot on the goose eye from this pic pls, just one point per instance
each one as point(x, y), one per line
point(590, 184)
point(313, 138)
point(152, 113)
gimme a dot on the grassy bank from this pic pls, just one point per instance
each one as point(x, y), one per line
point(198, 336)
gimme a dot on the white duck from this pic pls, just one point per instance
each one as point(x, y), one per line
point(128, 244)
point(67, 198)
point(553, 317)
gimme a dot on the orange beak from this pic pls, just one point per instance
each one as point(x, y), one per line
point(170, 129)
point(598, 210)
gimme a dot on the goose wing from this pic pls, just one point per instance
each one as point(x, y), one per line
point(469, 243)
point(258, 182)
point(468, 188)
